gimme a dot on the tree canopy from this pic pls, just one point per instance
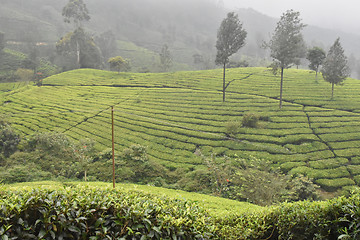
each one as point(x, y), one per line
point(287, 45)
point(80, 45)
point(335, 68)
point(2, 41)
point(230, 38)
point(316, 56)
point(165, 58)
point(75, 11)
point(119, 64)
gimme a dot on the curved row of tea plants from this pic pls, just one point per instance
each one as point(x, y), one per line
point(180, 116)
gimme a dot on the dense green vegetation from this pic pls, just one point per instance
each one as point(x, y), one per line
point(181, 120)
point(95, 211)
point(13, 62)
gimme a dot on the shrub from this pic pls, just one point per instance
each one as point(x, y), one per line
point(232, 128)
point(25, 74)
point(23, 173)
point(9, 139)
point(250, 120)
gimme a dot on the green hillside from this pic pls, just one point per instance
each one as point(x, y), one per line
point(12, 60)
point(178, 115)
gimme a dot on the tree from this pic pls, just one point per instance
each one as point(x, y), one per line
point(287, 45)
point(80, 45)
point(316, 56)
point(335, 69)
point(165, 58)
point(119, 64)
point(2, 41)
point(75, 11)
point(9, 139)
point(230, 38)
point(107, 44)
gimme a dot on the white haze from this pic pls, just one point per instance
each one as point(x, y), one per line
point(341, 15)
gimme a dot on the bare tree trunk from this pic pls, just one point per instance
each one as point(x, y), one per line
point(85, 176)
point(332, 90)
point(224, 83)
point(281, 86)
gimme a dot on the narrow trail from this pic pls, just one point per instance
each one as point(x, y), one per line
point(317, 135)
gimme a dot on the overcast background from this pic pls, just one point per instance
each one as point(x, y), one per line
point(340, 15)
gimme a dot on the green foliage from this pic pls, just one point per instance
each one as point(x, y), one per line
point(232, 128)
point(250, 120)
point(136, 153)
point(119, 64)
point(24, 74)
point(75, 11)
point(251, 180)
point(9, 139)
point(12, 60)
point(91, 213)
point(2, 42)
point(287, 44)
point(335, 69)
point(230, 38)
point(316, 56)
point(256, 181)
point(177, 115)
point(79, 49)
point(351, 218)
point(165, 58)
point(26, 172)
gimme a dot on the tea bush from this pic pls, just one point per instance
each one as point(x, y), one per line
point(250, 120)
point(89, 213)
point(93, 212)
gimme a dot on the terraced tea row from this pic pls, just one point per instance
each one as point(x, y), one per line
point(180, 115)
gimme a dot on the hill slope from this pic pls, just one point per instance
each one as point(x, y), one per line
point(175, 23)
point(178, 115)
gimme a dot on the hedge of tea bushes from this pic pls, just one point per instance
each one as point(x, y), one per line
point(89, 213)
point(104, 213)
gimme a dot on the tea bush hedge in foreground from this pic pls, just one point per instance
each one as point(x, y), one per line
point(85, 213)
point(100, 213)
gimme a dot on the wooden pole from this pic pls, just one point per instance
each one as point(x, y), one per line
point(113, 144)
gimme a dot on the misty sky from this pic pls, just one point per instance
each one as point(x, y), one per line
point(332, 14)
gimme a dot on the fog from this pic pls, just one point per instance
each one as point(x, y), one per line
point(338, 15)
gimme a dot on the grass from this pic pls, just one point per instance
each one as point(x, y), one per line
point(174, 114)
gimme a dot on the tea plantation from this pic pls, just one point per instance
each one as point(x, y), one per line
point(179, 115)
point(53, 210)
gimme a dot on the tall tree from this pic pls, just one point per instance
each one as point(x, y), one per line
point(335, 69)
point(165, 58)
point(107, 44)
point(316, 56)
point(230, 38)
point(83, 46)
point(2, 41)
point(75, 11)
point(287, 45)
